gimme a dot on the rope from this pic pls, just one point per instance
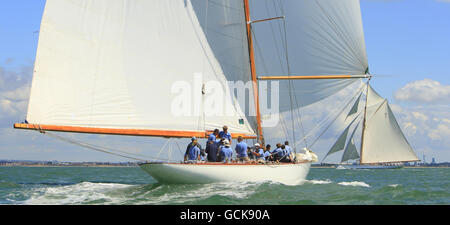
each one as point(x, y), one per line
point(90, 146)
point(325, 120)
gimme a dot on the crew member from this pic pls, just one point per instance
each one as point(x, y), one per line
point(194, 153)
point(267, 153)
point(241, 150)
point(226, 152)
point(258, 153)
point(194, 141)
point(225, 134)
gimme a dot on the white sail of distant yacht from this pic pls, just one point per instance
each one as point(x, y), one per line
point(109, 67)
point(383, 144)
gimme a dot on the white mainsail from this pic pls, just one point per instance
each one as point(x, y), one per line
point(115, 64)
point(384, 140)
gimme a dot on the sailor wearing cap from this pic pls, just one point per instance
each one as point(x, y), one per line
point(226, 152)
point(194, 151)
point(258, 153)
point(194, 142)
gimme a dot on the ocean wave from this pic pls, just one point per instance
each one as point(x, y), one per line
point(117, 193)
point(179, 194)
point(354, 183)
point(80, 193)
point(319, 181)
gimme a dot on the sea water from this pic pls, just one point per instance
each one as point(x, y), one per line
point(131, 185)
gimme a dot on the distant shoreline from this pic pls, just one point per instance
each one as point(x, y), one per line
point(123, 166)
point(403, 167)
point(63, 166)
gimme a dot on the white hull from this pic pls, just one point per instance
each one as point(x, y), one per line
point(286, 173)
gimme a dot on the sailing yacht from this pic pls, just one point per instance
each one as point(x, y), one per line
point(383, 144)
point(151, 68)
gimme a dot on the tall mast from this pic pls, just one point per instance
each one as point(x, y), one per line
point(364, 124)
point(253, 69)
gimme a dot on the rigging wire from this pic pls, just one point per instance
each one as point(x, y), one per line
point(133, 156)
point(337, 115)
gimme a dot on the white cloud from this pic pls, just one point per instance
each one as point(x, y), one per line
point(425, 134)
point(424, 91)
point(14, 92)
point(441, 132)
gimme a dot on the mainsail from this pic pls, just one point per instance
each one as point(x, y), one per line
point(139, 67)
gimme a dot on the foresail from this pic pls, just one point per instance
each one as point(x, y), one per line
point(354, 108)
point(384, 140)
point(132, 64)
point(340, 143)
point(350, 151)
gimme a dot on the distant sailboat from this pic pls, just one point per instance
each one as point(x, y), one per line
point(108, 67)
point(383, 144)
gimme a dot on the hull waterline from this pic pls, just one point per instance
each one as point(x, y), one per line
point(355, 167)
point(178, 173)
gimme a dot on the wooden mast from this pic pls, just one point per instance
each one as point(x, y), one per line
point(253, 69)
point(364, 124)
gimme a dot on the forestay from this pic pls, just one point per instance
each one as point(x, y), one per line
point(136, 64)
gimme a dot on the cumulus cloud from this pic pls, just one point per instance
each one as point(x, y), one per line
point(424, 91)
point(14, 92)
point(425, 127)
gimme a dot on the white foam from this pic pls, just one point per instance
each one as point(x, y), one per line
point(75, 194)
point(319, 181)
point(354, 183)
point(394, 185)
point(229, 189)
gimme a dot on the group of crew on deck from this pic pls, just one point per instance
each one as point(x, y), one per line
point(218, 149)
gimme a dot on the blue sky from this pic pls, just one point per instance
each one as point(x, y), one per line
point(408, 47)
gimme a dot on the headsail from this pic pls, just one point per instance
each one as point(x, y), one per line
point(135, 65)
point(340, 143)
point(354, 108)
point(350, 149)
point(384, 140)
